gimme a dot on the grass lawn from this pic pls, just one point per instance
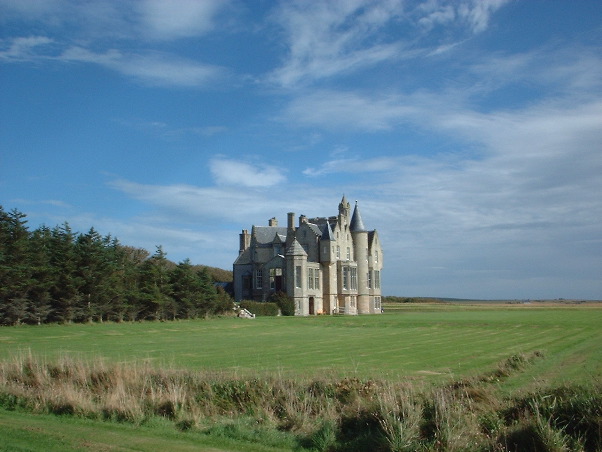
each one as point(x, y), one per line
point(49, 433)
point(423, 342)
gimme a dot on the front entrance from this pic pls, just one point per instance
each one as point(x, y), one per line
point(312, 306)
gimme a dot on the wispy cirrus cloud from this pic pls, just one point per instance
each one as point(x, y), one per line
point(105, 19)
point(475, 14)
point(179, 18)
point(23, 48)
point(354, 165)
point(332, 109)
point(327, 39)
point(151, 68)
point(241, 174)
point(94, 32)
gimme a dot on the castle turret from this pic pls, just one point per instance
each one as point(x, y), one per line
point(360, 245)
point(296, 260)
point(344, 208)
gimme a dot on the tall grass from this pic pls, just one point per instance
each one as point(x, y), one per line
point(325, 414)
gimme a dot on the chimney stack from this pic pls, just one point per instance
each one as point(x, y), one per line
point(245, 241)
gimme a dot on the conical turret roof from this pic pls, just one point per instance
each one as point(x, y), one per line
point(357, 224)
point(295, 249)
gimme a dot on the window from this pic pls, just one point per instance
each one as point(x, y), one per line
point(274, 272)
point(258, 278)
point(376, 279)
point(345, 278)
point(369, 279)
point(348, 253)
point(338, 252)
point(377, 306)
point(317, 279)
point(310, 278)
point(353, 278)
point(376, 256)
point(298, 280)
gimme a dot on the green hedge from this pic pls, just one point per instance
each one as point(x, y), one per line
point(260, 308)
point(284, 302)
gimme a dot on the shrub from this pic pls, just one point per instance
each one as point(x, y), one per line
point(284, 302)
point(261, 308)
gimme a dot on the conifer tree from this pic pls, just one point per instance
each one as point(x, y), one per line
point(15, 271)
point(66, 298)
point(42, 275)
point(155, 287)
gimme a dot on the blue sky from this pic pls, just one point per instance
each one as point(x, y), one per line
point(469, 131)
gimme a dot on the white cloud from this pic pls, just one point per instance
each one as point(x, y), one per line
point(327, 39)
point(179, 18)
point(478, 12)
point(153, 68)
point(354, 165)
point(101, 19)
point(240, 174)
point(95, 23)
point(339, 110)
point(22, 49)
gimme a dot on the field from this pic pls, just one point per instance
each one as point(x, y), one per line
point(429, 342)
point(426, 345)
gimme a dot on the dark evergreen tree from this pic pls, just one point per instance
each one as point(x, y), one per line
point(42, 275)
point(66, 298)
point(208, 303)
point(186, 289)
point(131, 261)
point(94, 270)
point(15, 271)
point(59, 276)
point(155, 290)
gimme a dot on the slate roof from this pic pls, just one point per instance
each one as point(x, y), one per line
point(315, 228)
point(357, 225)
point(327, 232)
point(244, 257)
point(264, 235)
point(295, 249)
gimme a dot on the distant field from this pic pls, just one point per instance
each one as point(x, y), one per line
point(429, 342)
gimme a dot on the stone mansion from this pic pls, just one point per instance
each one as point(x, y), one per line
point(327, 265)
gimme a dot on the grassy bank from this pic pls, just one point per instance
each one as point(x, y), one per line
point(310, 414)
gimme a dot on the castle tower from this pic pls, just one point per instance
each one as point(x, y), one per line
point(360, 245)
point(344, 209)
point(296, 275)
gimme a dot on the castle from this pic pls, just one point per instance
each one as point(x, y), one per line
point(327, 265)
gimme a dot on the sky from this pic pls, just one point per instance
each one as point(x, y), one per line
point(469, 131)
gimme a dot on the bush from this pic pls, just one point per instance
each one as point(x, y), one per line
point(260, 307)
point(284, 302)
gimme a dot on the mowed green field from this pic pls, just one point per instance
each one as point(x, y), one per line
point(419, 342)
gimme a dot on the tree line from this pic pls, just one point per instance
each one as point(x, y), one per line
point(58, 275)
